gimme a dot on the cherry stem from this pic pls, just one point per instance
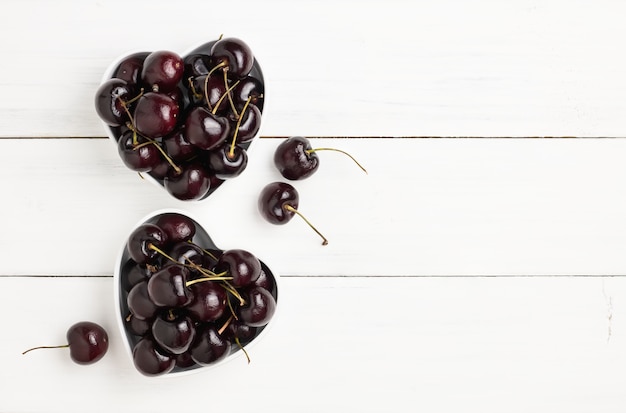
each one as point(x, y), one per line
point(221, 99)
point(231, 151)
point(225, 325)
point(130, 116)
point(207, 252)
point(40, 347)
point(242, 349)
point(210, 275)
point(231, 289)
point(155, 143)
point(295, 211)
point(206, 81)
point(308, 151)
point(218, 277)
point(193, 88)
point(230, 97)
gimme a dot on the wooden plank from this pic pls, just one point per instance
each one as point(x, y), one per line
point(445, 68)
point(426, 207)
point(436, 344)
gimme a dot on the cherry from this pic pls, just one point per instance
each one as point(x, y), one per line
point(138, 153)
point(209, 347)
point(248, 122)
point(248, 88)
point(139, 302)
point(226, 165)
point(177, 227)
point(295, 158)
point(186, 253)
point(140, 241)
point(162, 70)
point(88, 342)
point(137, 326)
point(205, 129)
point(196, 64)
point(150, 360)
point(155, 115)
point(178, 147)
point(278, 203)
point(209, 302)
point(241, 265)
point(233, 55)
point(259, 307)
point(174, 333)
point(109, 101)
point(168, 287)
point(132, 274)
point(193, 183)
point(129, 69)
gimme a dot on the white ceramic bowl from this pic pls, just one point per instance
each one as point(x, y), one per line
point(201, 48)
point(121, 309)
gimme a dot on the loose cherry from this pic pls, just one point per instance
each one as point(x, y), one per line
point(278, 203)
point(296, 159)
point(88, 342)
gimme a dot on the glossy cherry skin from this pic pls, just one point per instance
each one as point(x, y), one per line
point(177, 227)
point(209, 346)
point(249, 125)
point(292, 159)
point(162, 70)
point(235, 54)
point(259, 308)
point(150, 360)
point(139, 242)
point(174, 333)
point(186, 253)
point(132, 274)
point(274, 198)
point(240, 264)
point(225, 166)
point(167, 287)
point(139, 302)
point(204, 129)
point(109, 101)
point(155, 115)
point(248, 87)
point(139, 156)
point(129, 69)
point(178, 148)
point(88, 342)
point(193, 183)
point(209, 301)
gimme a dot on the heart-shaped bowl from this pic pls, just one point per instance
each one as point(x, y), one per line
point(197, 60)
point(207, 334)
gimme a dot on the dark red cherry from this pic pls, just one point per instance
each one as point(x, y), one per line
point(129, 69)
point(186, 253)
point(196, 64)
point(178, 227)
point(142, 240)
point(139, 302)
point(110, 99)
point(240, 264)
point(238, 330)
point(178, 147)
point(233, 54)
point(88, 342)
point(193, 183)
point(155, 115)
point(209, 346)
point(278, 203)
point(132, 274)
point(259, 308)
point(150, 360)
point(137, 153)
point(205, 129)
point(248, 125)
point(209, 301)
point(168, 287)
point(295, 159)
point(137, 326)
point(174, 333)
point(226, 164)
point(162, 70)
point(213, 89)
point(248, 88)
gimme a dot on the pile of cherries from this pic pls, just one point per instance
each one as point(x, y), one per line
point(184, 302)
point(187, 121)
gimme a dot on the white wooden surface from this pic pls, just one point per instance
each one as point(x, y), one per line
point(462, 274)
